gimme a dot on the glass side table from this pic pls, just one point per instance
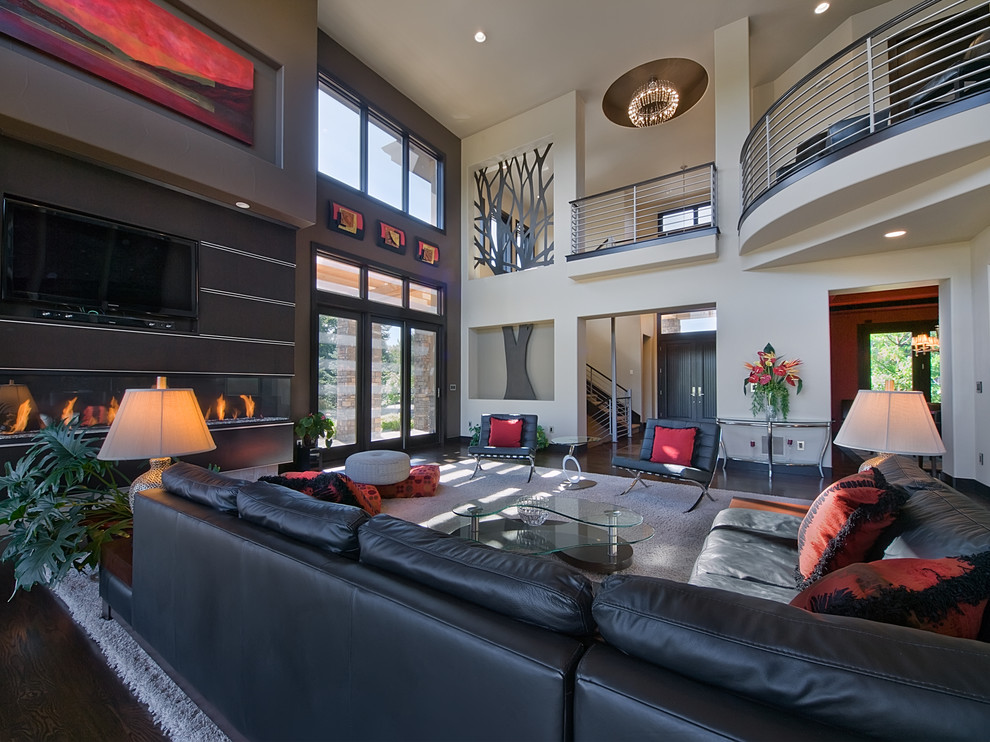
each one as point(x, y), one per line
point(575, 480)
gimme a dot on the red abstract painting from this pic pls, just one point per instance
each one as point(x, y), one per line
point(145, 49)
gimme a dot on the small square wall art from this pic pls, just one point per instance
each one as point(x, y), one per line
point(391, 237)
point(346, 221)
point(427, 253)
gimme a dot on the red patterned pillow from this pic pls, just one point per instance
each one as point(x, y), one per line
point(844, 522)
point(947, 596)
point(505, 433)
point(673, 445)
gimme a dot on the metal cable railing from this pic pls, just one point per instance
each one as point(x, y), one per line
point(934, 54)
point(644, 212)
point(598, 388)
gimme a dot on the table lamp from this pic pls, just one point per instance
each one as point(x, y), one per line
point(156, 424)
point(891, 422)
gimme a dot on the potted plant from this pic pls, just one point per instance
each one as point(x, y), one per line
point(769, 380)
point(312, 427)
point(63, 506)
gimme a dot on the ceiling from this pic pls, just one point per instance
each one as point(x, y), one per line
point(538, 50)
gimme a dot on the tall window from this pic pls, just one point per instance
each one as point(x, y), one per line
point(367, 151)
point(378, 354)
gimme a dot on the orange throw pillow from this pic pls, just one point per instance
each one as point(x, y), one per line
point(505, 433)
point(673, 445)
point(844, 522)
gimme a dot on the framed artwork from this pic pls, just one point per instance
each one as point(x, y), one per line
point(147, 50)
point(347, 221)
point(427, 253)
point(391, 237)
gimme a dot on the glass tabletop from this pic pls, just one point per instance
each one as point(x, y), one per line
point(574, 509)
point(549, 537)
point(574, 440)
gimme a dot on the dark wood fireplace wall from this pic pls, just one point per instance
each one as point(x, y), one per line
point(246, 295)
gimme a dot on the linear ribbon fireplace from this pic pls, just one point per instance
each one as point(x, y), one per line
point(248, 413)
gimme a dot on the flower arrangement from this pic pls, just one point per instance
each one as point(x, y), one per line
point(769, 380)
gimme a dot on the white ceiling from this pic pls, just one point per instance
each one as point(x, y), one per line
point(538, 50)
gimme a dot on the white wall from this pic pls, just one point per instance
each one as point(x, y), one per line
point(788, 307)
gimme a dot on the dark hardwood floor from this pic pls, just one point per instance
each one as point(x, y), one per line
point(55, 684)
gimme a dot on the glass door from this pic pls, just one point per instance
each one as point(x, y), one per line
point(424, 390)
point(386, 381)
point(337, 374)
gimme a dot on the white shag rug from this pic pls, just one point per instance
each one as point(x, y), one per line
point(670, 553)
point(180, 718)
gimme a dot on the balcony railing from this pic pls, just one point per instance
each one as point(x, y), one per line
point(645, 212)
point(932, 55)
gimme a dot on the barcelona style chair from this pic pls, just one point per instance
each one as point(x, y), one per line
point(703, 458)
point(525, 450)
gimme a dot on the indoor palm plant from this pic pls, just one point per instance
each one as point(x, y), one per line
point(63, 505)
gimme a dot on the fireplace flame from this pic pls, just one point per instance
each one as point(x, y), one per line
point(21, 421)
point(248, 405)
point(112, 411)
point(67, 411)
point(221, 407)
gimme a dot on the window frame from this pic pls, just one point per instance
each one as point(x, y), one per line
point(368, 114)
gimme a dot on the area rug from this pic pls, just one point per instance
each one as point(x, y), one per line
point(180, 718)
point(670, 553)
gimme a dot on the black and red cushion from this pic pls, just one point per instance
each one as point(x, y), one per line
point(948, 596)
point(844, 522)
point(673, 445)
point(329, 487)
point(505, 433)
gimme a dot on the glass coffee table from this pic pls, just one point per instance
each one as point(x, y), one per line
point(584, 533)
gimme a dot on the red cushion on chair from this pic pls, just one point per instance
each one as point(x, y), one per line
point(505, 433)
point(844, 522)
point(673, 445)
point(947, 596)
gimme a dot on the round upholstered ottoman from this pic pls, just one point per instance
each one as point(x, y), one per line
point(377, 467)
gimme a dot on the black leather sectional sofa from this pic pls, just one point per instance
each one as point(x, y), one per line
point(289, 618)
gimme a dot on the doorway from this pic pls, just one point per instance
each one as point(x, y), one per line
point(686, 386)
point(377, 378)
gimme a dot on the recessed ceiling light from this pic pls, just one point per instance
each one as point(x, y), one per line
point(896, 233)
point(480, 37)
point(242, 204)
point(821, 8)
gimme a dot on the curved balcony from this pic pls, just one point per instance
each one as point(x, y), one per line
point(896, 87)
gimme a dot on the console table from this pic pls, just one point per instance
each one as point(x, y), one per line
point(757, 442)
point(582, 532)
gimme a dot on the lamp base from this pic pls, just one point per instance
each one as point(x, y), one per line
point(150, 479)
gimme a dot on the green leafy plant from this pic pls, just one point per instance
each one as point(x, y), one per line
point(314, 426)
point(63, 504)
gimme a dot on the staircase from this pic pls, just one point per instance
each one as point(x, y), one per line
point(598, 387)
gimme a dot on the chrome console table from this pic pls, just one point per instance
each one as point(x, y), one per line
point(789, 428)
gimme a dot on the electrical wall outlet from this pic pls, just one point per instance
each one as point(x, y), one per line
point(800, 445)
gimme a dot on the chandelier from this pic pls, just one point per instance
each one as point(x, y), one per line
point(653, 103)
point(925, 343)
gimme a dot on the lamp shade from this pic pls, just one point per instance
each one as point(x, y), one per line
point(890, 422)
point(157, 423)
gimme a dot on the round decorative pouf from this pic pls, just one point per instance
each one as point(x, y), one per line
point(377, 467)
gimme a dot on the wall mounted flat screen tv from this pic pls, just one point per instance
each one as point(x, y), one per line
point(62, 258)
